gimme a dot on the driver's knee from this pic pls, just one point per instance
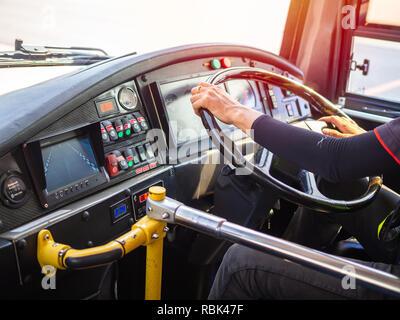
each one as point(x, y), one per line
point(244, 273)
point(226, 284)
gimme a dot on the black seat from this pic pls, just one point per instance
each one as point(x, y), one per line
point(350, 248)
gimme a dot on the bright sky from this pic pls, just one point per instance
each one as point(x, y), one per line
point(384, 12)
point(123, 26)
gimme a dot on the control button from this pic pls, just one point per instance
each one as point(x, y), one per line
point(289, 110)
point(104, 134)
point(135, 125)
point(141, 212)
point(110, 129)
point(119, 128)
point(129, 157)
point(150, 153)
point(13, 189)
point(145, 168)
point(122, 164)
point(127, 126)
point(136, 159)
point(215, 64)
point(226, 63)
point(142, 121)
point(112, 165)
point(142, 153)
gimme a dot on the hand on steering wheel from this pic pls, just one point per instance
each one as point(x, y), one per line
point(345, 127)
point(217, 101)
point(209, 101)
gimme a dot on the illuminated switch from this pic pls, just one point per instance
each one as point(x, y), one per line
point(225, 62)
point(134, 124)
point(122, 164)
point(142, 153)
point(110, 129)
point(127, 126)
point(142, 121)
point(104, 134)
point(111, 165)
point(131, 157)
point(119, 128)
point(215, 64)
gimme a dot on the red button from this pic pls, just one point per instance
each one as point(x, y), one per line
point(145, 168)
point(226, 63)
point(112, 165)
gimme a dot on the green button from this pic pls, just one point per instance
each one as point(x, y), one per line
point(130, 163)
point(215, 64)
point(128, 132)
point(120, 134)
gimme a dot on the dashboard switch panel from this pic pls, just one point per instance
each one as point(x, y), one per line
point(110, 129)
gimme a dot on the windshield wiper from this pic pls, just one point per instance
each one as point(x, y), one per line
point(30, 56)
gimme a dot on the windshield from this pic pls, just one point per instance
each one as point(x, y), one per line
point(124, 26)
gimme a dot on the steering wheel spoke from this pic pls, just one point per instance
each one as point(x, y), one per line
point(309, 184)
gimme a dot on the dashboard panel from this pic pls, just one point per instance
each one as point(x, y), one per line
point(83, 163)
point(106, 137)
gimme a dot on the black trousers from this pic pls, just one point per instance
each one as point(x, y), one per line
point(250, 274)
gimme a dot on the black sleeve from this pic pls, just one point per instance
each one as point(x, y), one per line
point(335, 159)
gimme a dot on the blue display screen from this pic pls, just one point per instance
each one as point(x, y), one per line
point(120, 211)
point(68, 161)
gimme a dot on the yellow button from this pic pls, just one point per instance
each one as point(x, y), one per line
point(157, 193)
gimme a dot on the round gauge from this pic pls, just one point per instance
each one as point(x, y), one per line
point(243, 92)
point(127, 98)
point(13, 190)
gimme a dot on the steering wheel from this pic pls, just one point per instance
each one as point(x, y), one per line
point(310, 196)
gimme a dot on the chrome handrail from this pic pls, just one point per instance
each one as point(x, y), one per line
point(172, 211)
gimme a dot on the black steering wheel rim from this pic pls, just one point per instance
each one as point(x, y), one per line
point(314, 200)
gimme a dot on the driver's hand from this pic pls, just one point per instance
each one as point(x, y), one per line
point(346, 127)
point(216, 100)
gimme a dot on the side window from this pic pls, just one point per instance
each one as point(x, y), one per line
point(375, 69)
point(372, 72)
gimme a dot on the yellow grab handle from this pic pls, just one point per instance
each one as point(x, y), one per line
point(147, 232)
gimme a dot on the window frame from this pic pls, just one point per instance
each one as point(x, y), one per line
point(374, 31)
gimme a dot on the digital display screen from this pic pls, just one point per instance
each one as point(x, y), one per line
point(185, 125)
point(106, 107)
point(121, 210)
point(68, 161)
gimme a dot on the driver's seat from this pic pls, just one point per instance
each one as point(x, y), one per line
point(349, 248)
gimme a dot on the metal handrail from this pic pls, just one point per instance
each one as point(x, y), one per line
point(172, 211)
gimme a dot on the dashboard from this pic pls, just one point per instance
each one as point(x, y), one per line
point(87, 154)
